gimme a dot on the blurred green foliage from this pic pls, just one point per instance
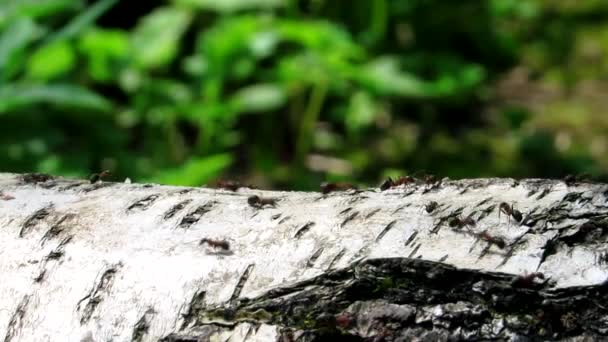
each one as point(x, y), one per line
point(286, 94)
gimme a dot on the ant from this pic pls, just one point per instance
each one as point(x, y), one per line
point(462, 222)
point(572, 179)
point(259, 202)
point(221, 244)
point(331, 187)
point(528, 280)
point(509, 211)
point(6, 197)
point(499, 242)
point(228, 185)
point(431, 180)
point(402, 180)
point(431, 206)
point(98, 176)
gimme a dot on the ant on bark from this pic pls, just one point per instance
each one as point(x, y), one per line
point(340, 186)
point(99, 176)
point(492, 240)
point(259, 202)
point(510, 212)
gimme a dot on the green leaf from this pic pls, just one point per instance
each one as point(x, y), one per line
point(384, 76)
point(232, 5)
point(103, 47)
point(83, 20)
point(362, 111)
point(19, 96)
point(13, 43)
point(51, 60)
point(9, 10)
point(156, 37)
point(259, 98)
point(196, 171)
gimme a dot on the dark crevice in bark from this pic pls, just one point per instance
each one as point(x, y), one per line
point(440, 300)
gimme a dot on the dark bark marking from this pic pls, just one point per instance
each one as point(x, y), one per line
point(140, 329)
point(345, 211)
point(385, 230)
point(97, 186)
point(195, 307)
point(411, 238)
point(34, 219)
point(35, 178)
point(239, 286)
point(56, 229)
point(355, 199)
point(372, 213)
point(16, 321)
point(196, 215)
point(143, 203)
point(97, 293)
point(399, 209)
point(284, 219)
point(413, 252)
point(349, 218)
point(544, 193)
point(40, 277)
point(72, 186)
point(313, 258)
point(443, 258)
point(58, 252)
point(175, 209)
point(485, 212)
point(337, 258)
point(483, 202)
point(275, 216)
point(303, 229)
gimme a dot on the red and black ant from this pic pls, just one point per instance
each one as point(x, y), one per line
point(402, 180)
point(510, 211)
point(431, 206)
point(99, 176)
point(228, 185)
point(331, 187)
point(260, 202)
point(499, 242)
point(462, 222)
point(217, 244)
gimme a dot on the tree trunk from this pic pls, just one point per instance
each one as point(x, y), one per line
point(421, 261)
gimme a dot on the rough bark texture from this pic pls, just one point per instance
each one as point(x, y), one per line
point(125, 262)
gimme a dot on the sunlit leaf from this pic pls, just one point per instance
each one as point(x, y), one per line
point(156, 37)
point(232, 5)
point(83, 20)
point(19, 96)
point(51, 60)
point(13, 42)
point(361, 111)
point(102, 47)
point(259, 98)
point(195, 172)
point(384, 76)
point(10, 10)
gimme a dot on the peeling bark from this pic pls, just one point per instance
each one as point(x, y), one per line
point(487, 259)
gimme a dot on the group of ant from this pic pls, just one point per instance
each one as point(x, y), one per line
point(459, 222)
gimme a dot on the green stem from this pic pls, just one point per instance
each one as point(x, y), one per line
point(311, 115)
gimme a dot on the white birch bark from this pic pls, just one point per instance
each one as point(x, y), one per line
point(123, 262)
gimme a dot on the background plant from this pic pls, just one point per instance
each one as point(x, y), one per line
point(289, 93)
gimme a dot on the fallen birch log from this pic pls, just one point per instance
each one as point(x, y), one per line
point(489, 259)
